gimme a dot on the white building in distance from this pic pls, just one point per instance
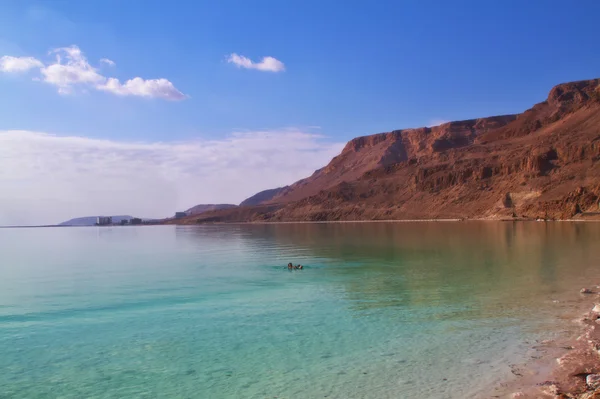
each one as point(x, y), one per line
point(103, 220)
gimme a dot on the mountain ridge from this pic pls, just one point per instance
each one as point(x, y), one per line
point(542, 163)
point(201, 208)
point(263, 196)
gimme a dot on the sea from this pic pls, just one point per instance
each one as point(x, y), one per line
point(379, 310)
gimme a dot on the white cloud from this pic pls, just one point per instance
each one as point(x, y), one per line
point(48, 179)
point(75, 71)
point(268, 64)
point(18, 64)
point(436, 122)
point(72, 70)
point(158, 88)
point(107, 61)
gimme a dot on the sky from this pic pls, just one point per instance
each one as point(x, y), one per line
point(148, 107)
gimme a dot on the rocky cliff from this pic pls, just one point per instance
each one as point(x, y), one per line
point(542, 163)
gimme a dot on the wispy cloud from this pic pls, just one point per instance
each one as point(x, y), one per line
point(48, 179)
point(436, 122)
point(160, 88)
point(107, 61)
point(267, 64)
point(71, 69)
point(18, 64)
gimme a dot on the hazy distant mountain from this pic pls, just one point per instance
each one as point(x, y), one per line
point(208, 207)
point(263, 196)
point(91, 220)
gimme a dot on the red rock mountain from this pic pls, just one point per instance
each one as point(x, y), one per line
point(368, 153)
point(543, 163)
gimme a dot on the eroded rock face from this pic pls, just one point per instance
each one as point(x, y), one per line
point(550, 389)
point(589, 395)
point(573, 94)
point(547, 159)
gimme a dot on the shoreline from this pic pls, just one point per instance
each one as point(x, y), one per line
point(173, 223)
point(380, 221)
point(566, 368)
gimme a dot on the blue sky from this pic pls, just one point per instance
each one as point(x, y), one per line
point(349, 68)
point(352, 68)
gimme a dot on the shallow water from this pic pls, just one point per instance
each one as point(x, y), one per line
point(381, 310)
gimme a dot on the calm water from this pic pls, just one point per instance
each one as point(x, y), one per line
point(423, 310)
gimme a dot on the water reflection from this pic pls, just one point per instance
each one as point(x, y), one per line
point(211, 311)
point(478, 268)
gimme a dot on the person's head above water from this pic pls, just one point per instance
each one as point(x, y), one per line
point(290, 265)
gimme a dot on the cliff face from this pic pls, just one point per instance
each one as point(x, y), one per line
point(364, 154)
point(543, 163)
point(539, 164)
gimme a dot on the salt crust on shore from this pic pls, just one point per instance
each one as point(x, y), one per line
point(576, 374)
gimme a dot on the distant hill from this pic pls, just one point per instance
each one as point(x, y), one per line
point(208, 207)
point(91, 220)
point(263, 196)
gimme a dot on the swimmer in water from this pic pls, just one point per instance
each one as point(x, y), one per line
point(290, 266)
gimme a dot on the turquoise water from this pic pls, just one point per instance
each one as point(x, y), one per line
point(405, 310)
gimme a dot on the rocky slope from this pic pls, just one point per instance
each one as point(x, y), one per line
point(195, 210)
point(542, 163)
point(263, 196)
point(365, 154)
